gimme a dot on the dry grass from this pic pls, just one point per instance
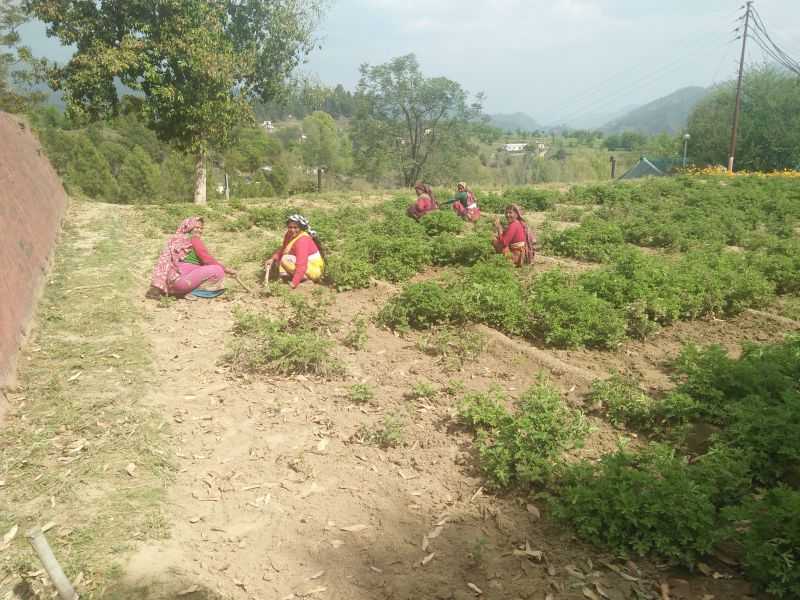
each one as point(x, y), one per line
point(76, 422)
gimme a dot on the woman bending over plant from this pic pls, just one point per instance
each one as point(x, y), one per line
point(425, 202)
point(464, 203)
point(185, 268)
point(515, 240)
point(300, 255)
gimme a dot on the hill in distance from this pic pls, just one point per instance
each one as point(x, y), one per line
point(669, 114)
point(513, 122)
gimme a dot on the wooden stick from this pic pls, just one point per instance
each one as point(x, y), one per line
point(50, 564)
point(239, 281)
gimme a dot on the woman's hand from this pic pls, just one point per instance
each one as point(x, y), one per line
point(230, 271)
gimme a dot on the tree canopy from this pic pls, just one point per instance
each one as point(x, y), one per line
point(769, 123)
point(197, 63)
point(404, 118)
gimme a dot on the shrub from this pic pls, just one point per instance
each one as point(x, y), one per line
point(455, 348)
point(565, 315)
point(595, 239)
point(441, 221)
point(264, 345)
point(623, 401)
point(398, 258)
point(388, 434)
point(356, 338)
point(640, 504)
point(770, 536)
point(347, 272)
point(490, 292)
point(422, 390)
point(361, 393)
point(524, 445)
point(419, 306)
point(448, 249)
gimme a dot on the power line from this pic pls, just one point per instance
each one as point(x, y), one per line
point(592, 104)
point(577, 99)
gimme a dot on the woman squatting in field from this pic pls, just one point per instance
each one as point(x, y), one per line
point(300, 255)
point(516, 240)
point(465, 204)
point(425, 202)
point(185, 267)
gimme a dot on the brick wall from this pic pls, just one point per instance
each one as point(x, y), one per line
point(32, 203)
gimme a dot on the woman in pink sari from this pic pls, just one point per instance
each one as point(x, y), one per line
point(185, 267)
point(425, 202)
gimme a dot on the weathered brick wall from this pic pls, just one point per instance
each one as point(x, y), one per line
point(32, 203)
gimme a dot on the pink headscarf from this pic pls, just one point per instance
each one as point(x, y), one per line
point(175, 250)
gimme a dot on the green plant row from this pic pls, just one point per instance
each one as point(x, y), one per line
point(633, 296)
point(740, 490)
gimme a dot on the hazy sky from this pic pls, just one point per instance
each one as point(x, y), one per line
point(557, 60)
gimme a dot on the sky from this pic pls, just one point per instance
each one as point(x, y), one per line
point(573, 61)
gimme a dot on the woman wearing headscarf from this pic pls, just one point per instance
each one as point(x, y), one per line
point(299, 257)
point(425, 202)
point(515, 240)
point(464, 203)
point(185, 267)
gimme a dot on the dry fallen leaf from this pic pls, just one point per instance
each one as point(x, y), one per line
point(705, 569)
point(425, 543)
point(587, 593)
point(435, 533)
point(131, 469)
point(475, 588)
point(354, 528)
point(534, 512)
point(316, 575)
point(12, 533)
point(428, 558)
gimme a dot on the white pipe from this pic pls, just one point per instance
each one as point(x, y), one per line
point(50, 564)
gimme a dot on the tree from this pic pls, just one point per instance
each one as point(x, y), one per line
point(197, 63)
point(12, 16)
point(323, 146)
point(403, 118)
point(138, 177)
point(769, 123)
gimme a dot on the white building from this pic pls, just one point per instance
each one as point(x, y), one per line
point(268, 125)
point(515, 147)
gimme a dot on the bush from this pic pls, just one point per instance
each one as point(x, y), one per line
point(361, 393)
point(448, 249)
point(441, 221)
point(595, 240)
point(624, 402)
point(524, 445)
point(455, 348)
point(347, 272)
point(419, 306)
point(264, 345)
point(640, 504)
point(490, 292)
point(770, 538)
point(565, 315)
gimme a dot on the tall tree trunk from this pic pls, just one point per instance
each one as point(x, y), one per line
point(200, 179)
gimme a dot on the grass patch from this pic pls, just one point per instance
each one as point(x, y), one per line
point(76, 421)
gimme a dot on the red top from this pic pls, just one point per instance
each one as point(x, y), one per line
point(514, 233)
point(202, 252)
point(301, 250)
point(424, 204)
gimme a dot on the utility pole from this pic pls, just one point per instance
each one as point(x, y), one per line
point(732, 152)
